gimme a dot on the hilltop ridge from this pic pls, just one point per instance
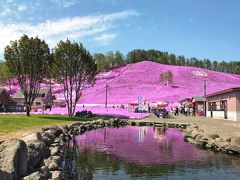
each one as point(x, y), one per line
point(142, 79)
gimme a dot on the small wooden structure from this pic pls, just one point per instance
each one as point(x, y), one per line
point(132, 106)
point(198, 105)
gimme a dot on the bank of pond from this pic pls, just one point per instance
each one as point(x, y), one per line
point(113, 150)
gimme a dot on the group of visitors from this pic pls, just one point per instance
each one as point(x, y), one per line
point(187, 111)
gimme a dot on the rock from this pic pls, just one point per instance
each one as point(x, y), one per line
point(37, 151)
point(45, 171)
point(55, 175)
point(48, 137)
point(190, 139)
point(222, 144)
point(13, 159)
point(57, 130)
point(52, 162)
point(31, 137)
point(34, 160)
point(213, 136)
point(235, 141)
point(198, 138)
point(188, 131)
point(35, 176)
point(194, 134)
point(202, 143)
point(233, 148)
point(234, 145)
point(41, 147)
point(195, 126)
point(228, 140)
point(54, 151)
point(210, 143)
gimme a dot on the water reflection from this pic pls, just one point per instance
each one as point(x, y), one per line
point(134, 152)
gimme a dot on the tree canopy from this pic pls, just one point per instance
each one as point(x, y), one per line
point(166, 77)
point(75, 69)
point(27, 59)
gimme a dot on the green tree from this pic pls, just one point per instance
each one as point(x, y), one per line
point(100, 60)
point(110, 59)
point(215, 65)
point(27, 59)
point(6, 77)
point(75, 69)
point(118, 58)
point(166, 77)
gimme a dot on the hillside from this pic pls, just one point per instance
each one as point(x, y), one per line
point(142, 79)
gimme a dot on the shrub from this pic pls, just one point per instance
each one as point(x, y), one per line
point(84, 114)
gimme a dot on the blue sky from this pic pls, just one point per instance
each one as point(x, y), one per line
point(202, 29)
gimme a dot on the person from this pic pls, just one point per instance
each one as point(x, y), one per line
point(191, 111)
point(177, 111)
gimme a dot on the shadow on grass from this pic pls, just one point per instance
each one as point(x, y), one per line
point(59, 118)
point(66, 118)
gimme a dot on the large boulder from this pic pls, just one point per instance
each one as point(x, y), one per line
point(13, 159)
point(37, 151)
point(32, 137)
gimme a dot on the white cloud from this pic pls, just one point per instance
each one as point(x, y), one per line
point(64, 3)
point(98, 28)
point(22, 8)
point(104, 39)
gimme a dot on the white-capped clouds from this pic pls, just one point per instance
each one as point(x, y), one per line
point(105, 39)
point(99, 28)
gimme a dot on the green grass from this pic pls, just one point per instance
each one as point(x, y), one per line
point(14, 123)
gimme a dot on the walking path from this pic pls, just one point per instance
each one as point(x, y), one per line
point(210, 126)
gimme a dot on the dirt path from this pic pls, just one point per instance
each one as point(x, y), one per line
point(18, 134)
point(224, 127)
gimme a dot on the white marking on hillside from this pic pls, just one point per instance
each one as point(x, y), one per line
point(200, 73)
point(104, 74)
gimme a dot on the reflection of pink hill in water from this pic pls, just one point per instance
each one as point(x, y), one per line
point(137, 144)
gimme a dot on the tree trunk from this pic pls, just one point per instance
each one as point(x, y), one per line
point(28, 110)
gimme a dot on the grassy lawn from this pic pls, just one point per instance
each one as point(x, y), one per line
point(14, 123)
point(10, 124)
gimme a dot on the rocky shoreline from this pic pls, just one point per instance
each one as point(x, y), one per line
point(207, 139)
point(40, 155)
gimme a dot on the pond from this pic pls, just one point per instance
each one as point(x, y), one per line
point(133, 152)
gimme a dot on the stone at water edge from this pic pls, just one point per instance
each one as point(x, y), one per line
point(213, 136)
point(35, 176)
point(31, 137)
point(55, 175)
point(52, 162)
point(13, 159)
